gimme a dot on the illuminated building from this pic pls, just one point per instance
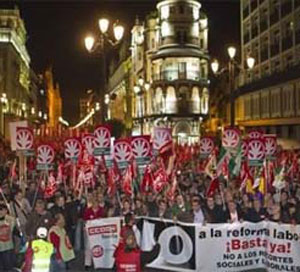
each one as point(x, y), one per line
point(269, 96)
point(14, 69)
point(169, 52)
point(54, 100)
point(120, 85)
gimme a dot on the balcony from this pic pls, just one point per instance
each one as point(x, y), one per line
point(253, 5)
point(264, 54)
point(246, 12)
point(287, 42)
point(274, 17)
point(254, 31)
point(175, 74)
point(286, 8)
point(274, 49)
point(263, 25)
point(246, 37)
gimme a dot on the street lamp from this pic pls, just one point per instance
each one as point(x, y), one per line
point(215, 66)
point(100, 43)
point(250, 62)
point(231, 50)
point(140, 89)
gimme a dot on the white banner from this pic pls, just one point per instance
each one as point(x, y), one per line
point(103, 236)
point(247, 246)
point(195, 248)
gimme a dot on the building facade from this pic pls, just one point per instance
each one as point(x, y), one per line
point(169, 54)
point(120, 86)
point(17, 93)
point(54, 100)
point(269, 95)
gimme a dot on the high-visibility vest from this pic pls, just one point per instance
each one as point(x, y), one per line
point(42, 251)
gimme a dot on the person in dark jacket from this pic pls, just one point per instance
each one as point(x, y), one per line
point(38, 218)
point(255, 214)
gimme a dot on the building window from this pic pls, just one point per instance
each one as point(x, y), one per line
point(265, 104)
point(171, 104)
point(181, 9)
point(196, 100)
point(201, 43)
point(275, 103)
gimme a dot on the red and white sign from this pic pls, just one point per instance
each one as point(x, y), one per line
point(256, 149)
point(102, 136)
point(88, 141)
point(231, 137)
point(24, 138)
point(271, 145)
point(45, 154)
point(122, 150)
point(207, 145)
point(72, 148)
point(141, 146)
point(245, 148)
point(162, 136)
point(255, 134)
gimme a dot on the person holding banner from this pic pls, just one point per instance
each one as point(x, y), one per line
point(234, 215)
point(90, 213)
point(128, 255)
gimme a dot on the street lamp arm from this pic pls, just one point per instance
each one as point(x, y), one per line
point(222, 71)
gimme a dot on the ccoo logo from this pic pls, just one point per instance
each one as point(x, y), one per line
point(97, 251)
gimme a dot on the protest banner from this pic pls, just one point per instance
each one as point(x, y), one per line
point(103, 236)
point(187, 247)
point(248, 246)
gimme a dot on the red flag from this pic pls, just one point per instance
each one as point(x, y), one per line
point(213, 186)
point(160, 179)
point(147, 181)
point(171, 192)
point(80, 180)
point(294, 168)
point(127, 182)
point(13, 172)
point(60, 174)
point(111, 182)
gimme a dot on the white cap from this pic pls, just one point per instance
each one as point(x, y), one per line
point(42, 232)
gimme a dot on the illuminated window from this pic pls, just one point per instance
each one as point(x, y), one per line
point(196, 100)
point(165, 29)
point(171, 105)
point(196, 13)
point(205, 99)
point(165, 12)
point(159, 101)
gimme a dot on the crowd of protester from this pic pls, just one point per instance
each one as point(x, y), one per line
point(25, 211)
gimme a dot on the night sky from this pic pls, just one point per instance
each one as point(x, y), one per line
point(56, 31)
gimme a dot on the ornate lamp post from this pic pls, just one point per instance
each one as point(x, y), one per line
point(231, 70)
point(101, 43)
